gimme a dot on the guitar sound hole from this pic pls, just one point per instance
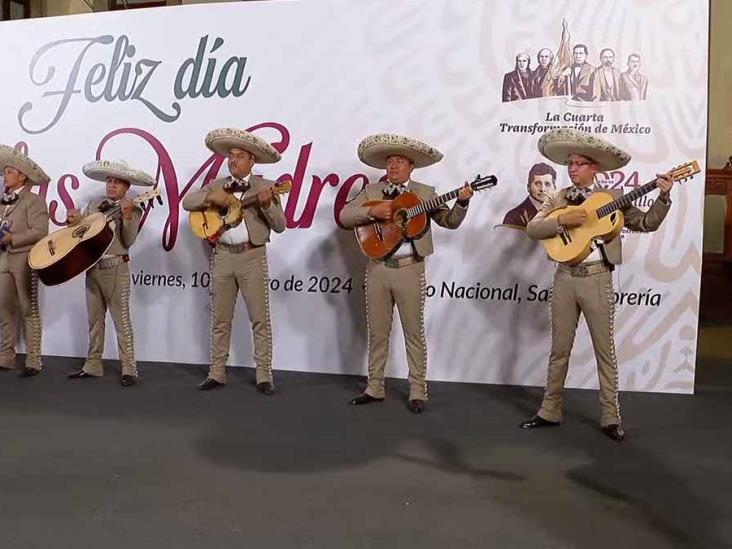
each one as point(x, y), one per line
point(400, 218)
point(223, 212)
point(613, 217)
point(80, 231)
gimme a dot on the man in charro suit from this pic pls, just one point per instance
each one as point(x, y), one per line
point(399, 279)
point(239, 260)
point(586, 288)
point(108, 281)
point(23, 222)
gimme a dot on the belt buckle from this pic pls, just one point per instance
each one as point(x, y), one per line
point(104, 263)
point(391, 263)
point(581, 270)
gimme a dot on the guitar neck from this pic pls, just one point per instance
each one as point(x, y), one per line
point(432, 204)
point(626, 199)
point(116, 209)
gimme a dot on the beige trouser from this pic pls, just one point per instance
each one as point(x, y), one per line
point(405, 287)
point(109, 289)
point(592, 296)
point(231, 273)
point(19, 293)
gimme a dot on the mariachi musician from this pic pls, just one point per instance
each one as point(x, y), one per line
point(586, 288)
point(23, 222)
point(400, 278)
point(108, 281)
point(239, 259)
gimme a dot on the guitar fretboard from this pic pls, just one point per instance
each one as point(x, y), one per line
point(432, 204)
point(626, 199)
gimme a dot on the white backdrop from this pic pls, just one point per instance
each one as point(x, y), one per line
point(316, 76)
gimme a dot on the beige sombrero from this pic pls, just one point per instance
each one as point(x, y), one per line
point(100, 170)
point(222, 140)
point(374, 150)
point(557, 145)
point(21, 162)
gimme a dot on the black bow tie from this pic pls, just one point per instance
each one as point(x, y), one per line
point(576, 196)
point(237, 185)
point(106, 205)
point(392, 191)
point(9, 198)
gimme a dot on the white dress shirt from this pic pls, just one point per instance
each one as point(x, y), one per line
point(240, 233)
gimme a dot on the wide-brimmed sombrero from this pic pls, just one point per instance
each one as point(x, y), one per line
point(222, 140)
point(100, 170)
point(557, 145)
point(375, 149)
point(12, 157)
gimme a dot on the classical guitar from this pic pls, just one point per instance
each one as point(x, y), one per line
point(604, 219)
point(65, 253)
point(210, 224)
point(409, 219)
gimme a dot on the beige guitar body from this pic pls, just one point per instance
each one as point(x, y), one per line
point(208, 224)
point(572, 245)
point(68, 252)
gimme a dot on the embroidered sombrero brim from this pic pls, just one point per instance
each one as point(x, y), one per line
point(100, 170)
point(375, 149)
point(557, 145)
point(16, 159)
point(222, 140)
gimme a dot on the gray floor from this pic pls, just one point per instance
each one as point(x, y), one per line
point(88, 463)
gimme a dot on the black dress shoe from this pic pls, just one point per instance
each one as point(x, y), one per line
point(79, 374)
point(29, 372)
point(538, 421)
point(615, 432)
point(208, 384)
point(364, 398)
point(265, 387)
point(416, 405)
point(127, 381)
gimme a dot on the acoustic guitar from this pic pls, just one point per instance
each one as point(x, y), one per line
point(409, 219)
point(70, 251)
point(604, 219)
point(211, 223)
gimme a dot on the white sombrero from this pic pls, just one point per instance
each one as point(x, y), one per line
point(557, 145)
point(222, 140)
point(374, 150)
point(100, 170)
point(16, 159)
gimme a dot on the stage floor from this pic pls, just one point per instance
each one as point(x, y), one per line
point(88, 463)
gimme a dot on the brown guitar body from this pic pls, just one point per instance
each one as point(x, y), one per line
point(68, 252)
point(382, 238)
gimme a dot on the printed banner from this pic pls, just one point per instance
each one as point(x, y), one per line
point(480, 80)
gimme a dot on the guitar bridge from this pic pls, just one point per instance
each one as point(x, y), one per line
point(51, 247)
point(377, 228)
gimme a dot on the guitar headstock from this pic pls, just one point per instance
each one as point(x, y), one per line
point(685, 171)
point(481, 183)
point(148, 196)
point(282, 187)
